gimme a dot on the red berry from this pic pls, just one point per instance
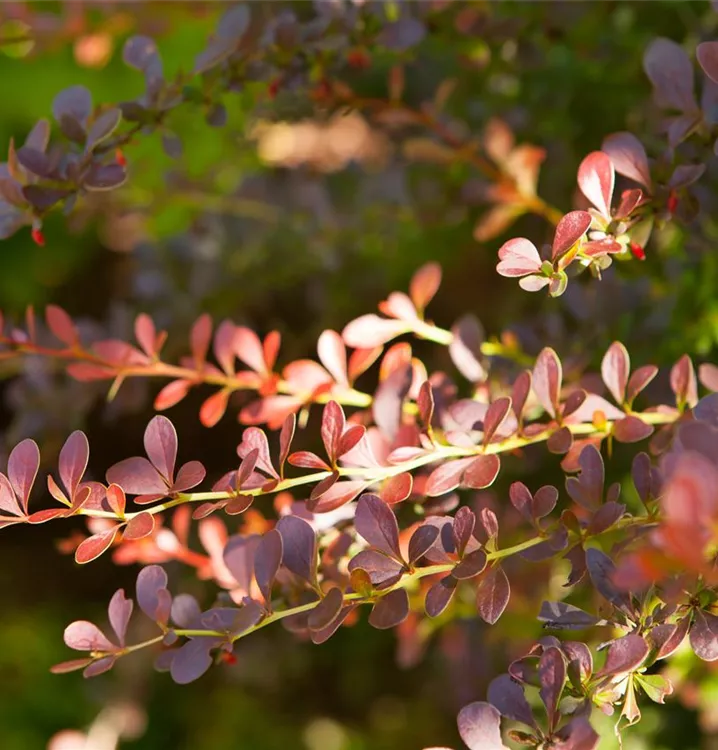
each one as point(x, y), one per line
point(230, 659)
point(38, 237)
point(359, 58)
point(672, 202)
point(120, 158)
point(637, 251)
point(274, 88)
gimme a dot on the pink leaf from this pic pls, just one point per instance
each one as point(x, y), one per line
point(425, 284)
point(596, 179)
point(224, 346)
point(140, 526)
point(615, 369)
point(73, 460)
point(518, 257)
point(161, 446)
point(339, 494)
point(306, 376)
point(146, 334)
point(446, 477)
point(200, 338)
point(547, 378)
point(480, 727)
point(120, 611)
point(308, 460)
point(707, 55)
point(370, 330)
point(61, 325)
point(248, 349)
point(23, 464)
point(214, 408)
point(172, 394)
point(333, 355)
point(333, 422)
point(398, 305)
point(8, 501)
point(254, 438)
point(85, 636)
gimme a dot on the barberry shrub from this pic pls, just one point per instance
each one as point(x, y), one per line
point(390, 515)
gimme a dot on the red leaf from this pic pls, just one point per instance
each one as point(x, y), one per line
point(340, 494)
point(596, 179)
point(140, 526)
point(397, 488)
point(547, 377)
point(425, 284)
point(569, 231)
point(73, 460)
point(495, 417)
point(361, 360)
point(214, 408)
point(116, 500)
point(308, 460)
point(333, 355)
point(91, 548)
point(471, 566)
point(333, 422)
point(327, 611)
point(519, 393)
point(61, 325)
point(481, 472)
point(224, 346)
point(119, 612)
point(270, 347)
point(439, 595)
point(370, 330)
point(161, 446)
point(492, 594)
point(350, 439)
point(624, 655)
point(200, 338)
point(285, 439)
point(172, 394)
point(446, 477)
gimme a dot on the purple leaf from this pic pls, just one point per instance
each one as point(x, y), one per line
point(239, 553)
point(602, 570)
point(299, 545)
point(99, 666)
point(391, 610)
point(150, 581)
point(560, 442)
point(508, 697)
point(552, 676)
point(569, 231)
point(22, 466)
point(161, 446)
point(323, 635)
point(85, 636)
point(704, 636)
point(383, 571)
point(670, 71)
point(439, 595)
point(421, 541)
point(596, 179)
point(578, 734)
point(120, 611)
point(495, 416)
point(639, 380)
point(472, 565)
point(328, 609)
point(378, 525)
point(192, 660)
point(463, 528)
point(492, 594)
point(707, 55)
point(480, 727)
point(521, 499)
point(547, 377)
point(189, 475)
point(402, 34)
point(624, 655)
point(665, 638)
point(137, 476)
point(631, 429)
point(185, 611)
point(267, 560)
point(628, 157)
point(520, 392)
point(74, 102)
point(615, 369)
point(340, 493)
point(587, 489)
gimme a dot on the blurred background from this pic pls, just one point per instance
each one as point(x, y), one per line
point(294, 218)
